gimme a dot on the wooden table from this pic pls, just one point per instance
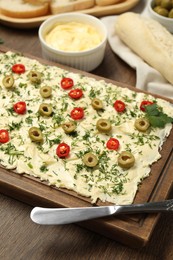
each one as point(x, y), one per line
point(21, 239)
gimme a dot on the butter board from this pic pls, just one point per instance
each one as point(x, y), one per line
point(135, 230)
point(97, 11)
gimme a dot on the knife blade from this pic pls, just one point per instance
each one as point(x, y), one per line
point(59, 216)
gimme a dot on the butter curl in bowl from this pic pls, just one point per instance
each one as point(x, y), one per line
point(74, 39)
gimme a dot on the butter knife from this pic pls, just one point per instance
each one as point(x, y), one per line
point(59, 216)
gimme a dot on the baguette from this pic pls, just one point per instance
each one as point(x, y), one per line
point(59, 6)
point(20, 9)
point(149, 40)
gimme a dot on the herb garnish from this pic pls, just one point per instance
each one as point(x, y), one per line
point(156, 117)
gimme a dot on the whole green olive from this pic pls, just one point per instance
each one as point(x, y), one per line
point(167, 4)
point(35, 76)
point(142, 124)
point(45, 91)
point(45, 109)
point(157, 2)
point(126, 160)
point(161, 11)
point(35, 134)
point(69, 127)
point(170, 15)
point(97, 104)
point(90, 160)
point(8, 81)
point(103, 125)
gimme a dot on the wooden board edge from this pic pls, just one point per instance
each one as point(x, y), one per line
point(139, 235)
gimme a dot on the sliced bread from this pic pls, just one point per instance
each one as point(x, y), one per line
point(20, 9)
point(59, 6)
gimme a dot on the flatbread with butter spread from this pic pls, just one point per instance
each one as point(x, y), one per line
point(57, 156)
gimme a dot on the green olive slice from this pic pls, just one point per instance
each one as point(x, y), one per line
point(45, 91)
point(126, 160)
point(142, 124)
point(45, 109)
point(35, 134)
point(90, 160)
point(35, 76)
point(69, 127)
point(103, 125)
point(8, 81)
point(97, 104)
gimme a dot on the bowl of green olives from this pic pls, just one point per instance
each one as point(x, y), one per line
point(162, 11)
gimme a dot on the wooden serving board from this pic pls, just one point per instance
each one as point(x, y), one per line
point(122, 6)
point(132, 230)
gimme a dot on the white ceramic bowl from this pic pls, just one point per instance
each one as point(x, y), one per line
point(86, 60)
point(165, 21)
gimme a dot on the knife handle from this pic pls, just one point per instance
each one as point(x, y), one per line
point(150, 207)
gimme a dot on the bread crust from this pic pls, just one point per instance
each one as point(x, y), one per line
point(149, 40)
point(107, 2)
point(57, 7)
point(45, 7)
point(83, 4)
point(36, 2)
point(23, 10)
